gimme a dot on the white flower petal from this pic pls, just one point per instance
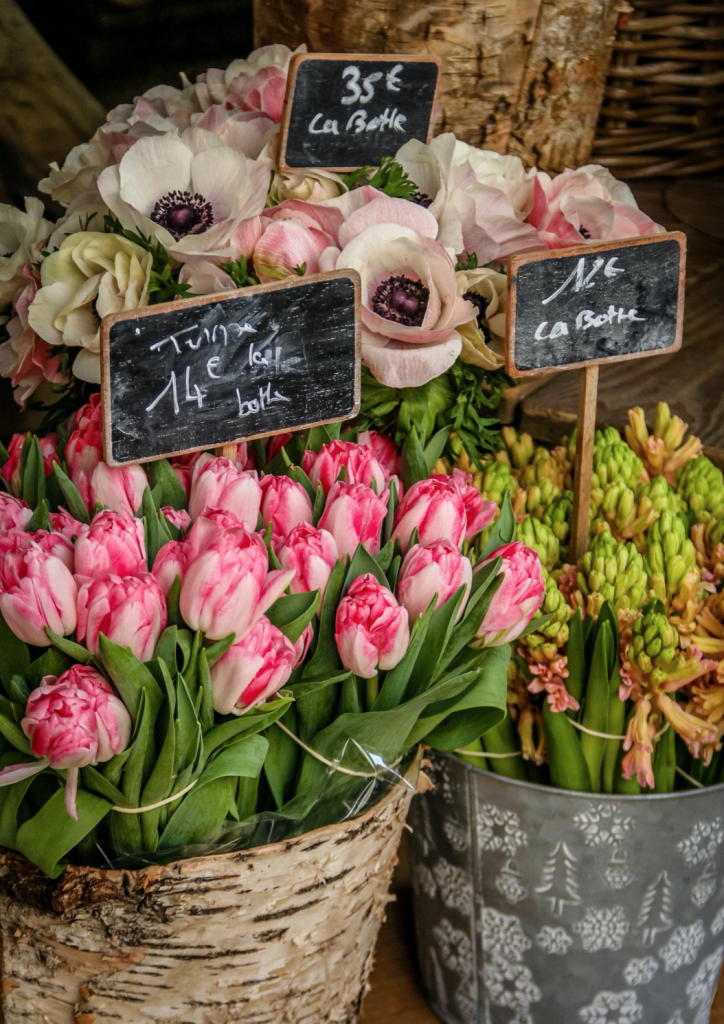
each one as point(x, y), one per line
point(399, 365)
point(221, 176)
point(151, 169)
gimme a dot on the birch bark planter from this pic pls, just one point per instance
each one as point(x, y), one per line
point(534, 905)
point(280, 934)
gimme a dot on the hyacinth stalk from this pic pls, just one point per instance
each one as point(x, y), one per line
point(671, 566)
point(519, 448)
point(611, 571)
point(619, 510)
point(666, 450)
point(535, 534)
point(548, 642)
point(701, 485)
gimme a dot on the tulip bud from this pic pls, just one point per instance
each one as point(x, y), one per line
point(302, 645)
point(11, 469)
point(430, 571)
point(120, 488)
point(171, 561)
point(372, 630)
point(83, 450)
point(64, 523)
point(359, 462)
point(13, 512)
point(217, 483)
point(177, 517)
point(37, 590)
point(354, 515)
point(285, 504)
point(129, 610)
point(478, 513)
point(113, 543)
point(435, 508)
point(312, 554)
point(516, 600)
point(252, 669)
point(384, 450)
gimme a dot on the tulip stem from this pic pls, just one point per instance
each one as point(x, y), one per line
point(373, 688)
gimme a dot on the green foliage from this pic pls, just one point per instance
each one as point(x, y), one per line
point(238, 271)
point(389, 178)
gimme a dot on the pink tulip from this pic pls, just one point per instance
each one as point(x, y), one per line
point(72, 721)
point(178, 517)
point(478, 512)
point(285, 504)
point(129, 610)
point(354, 515)
point(11, 470)
point(302, 645)
point(372, 630)
point(37, 590)
point(276, 443)
point(430, 571)
point(359, 462)
point(384, 450)
point(84, 448)
point(171, 561)
point(217, 483)
point(13, 512)
point(113, 544)
point(312, 554)
point(227, 587)
point(517, 599)
point(184, 474)
point(63, 522)
point(252, 669)
point(436, 508)
point(120, 488)
point(54, 544)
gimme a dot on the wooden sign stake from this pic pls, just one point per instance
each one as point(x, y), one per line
point(585, 432)
point(227, 451)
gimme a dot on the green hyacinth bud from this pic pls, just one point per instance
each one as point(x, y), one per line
point(497, 477)
point(653, 647)
point(612, 571)
point(520, 447)
point(661, 495)
point(614, 461)
point(701, 485)
point(551, 638)
point(670, 561)
point(535, 534)
point(557, 515)
point(543, 466)
point(619, 510)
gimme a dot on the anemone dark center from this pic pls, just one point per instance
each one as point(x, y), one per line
point(182, 213)
point(480, 305)
point(421, 198)
point(401, 299)
point(585, 232)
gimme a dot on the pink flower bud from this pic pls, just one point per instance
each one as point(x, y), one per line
point(37, 590)
point(54, 544)
point(63, 522)
point(436, 508)
point(354, 515)
point(360, 464)
point(517, 599)
point(372, 630)
point(11, 470)
point(129, 610)
point(171, 561)
point(302, 645)
point(178, 517)
point(14, 512)
point(285, 504)
point(276, 443)
point(226, 587)
point(120, 488)
point(384, 450)
point(112, 544)
point(432, 570)
point(217, 482)
point(478, 512)
point(252, 670)
point(184, 474)
point(72, 721)
point(312, 554)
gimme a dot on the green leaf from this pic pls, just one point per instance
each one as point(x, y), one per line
point(161, 474)
point(48, 836)
point(69, 647)
point(576, 652)
point(317, 438)
point(73, 500)
point(566, 762)
point(362, 563)
point(320, 500)
point(595, 708)
point(325, 661)
point(131, 677)
point(434, 448)
point(414, 466)
point(162, 777)
point(392, 503)
point(172, 603)
point(296, 473)
point(215, 651)
point(188, 727)
point(293, 613)
point(51, 663)
point(33, 490)
point(40, 519)
point(11, 801)
point(15, 735)
point(504, 530)
point(394, 687)
point(206, 709)
point(97, 783)
point(282, 761)
point(14, 654)
point(436, 641)
point(251, 723)
point(166, 648)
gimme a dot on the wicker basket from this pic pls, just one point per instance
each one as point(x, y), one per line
point(663, 112)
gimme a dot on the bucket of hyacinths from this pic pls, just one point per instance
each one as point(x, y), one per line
point(215, 677)
point(568, 865)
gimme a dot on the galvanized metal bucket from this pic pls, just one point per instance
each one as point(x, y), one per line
point(535, 905)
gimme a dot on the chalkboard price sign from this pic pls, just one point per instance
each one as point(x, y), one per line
point(594, 304)
point(348, 110)
point(206, 372)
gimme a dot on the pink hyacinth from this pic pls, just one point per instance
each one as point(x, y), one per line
point(129, 610)
point(430, 571)
point(639, 745)
point(372, 630)
point(37, 590)
point(359, 462)
point(312, 554)
point(13, 512)
point(217, 483)
point(517, 599)
point(113, 544)
point(119, 488)
point(227, 587)
point(285, 504)
point(253, 669)
point(435, 508)
point(354, 515)
point(11, 470)
point(72, 721)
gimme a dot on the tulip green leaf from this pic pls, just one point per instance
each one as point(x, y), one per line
point(414, 467)
point(12, 798)
point(46, 838)
point(535, 625)
point(73, 650)
point(206, 706)
point(188, 728)
point(97, 783)
point(503, 738)
point(363, 562)
point(296, 473)
point(566, 762)
point(282, 761)
point(14, 654)
point(292, 613)
point(318, 437)
point(215, 651)
point(172, 603)
point(161, 780)
point(40, 519)
point(385, 556)
point(393, 501)
point(394, 687)
point(325, 660)
point(320, 500)
point(439, 632)
point(305, 687)
point(434, 448)
point(252, 722)
point(503, 531)
point(595, 708)
point(166, 648)
point(130, 676)
point(576, 651)
point(33, 473)
point(74, 502)
point(161, 475)
point(19, 691)
point(14, 735)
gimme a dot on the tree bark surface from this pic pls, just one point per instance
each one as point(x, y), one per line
point(519, 76)
point(280, 934)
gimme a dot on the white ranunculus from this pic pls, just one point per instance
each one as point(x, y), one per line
point(497, 170)
point(91, 275)
point(22, 234)
point(484, 336)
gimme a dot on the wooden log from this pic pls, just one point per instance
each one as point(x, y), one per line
point(519, 76)
point(284, 932)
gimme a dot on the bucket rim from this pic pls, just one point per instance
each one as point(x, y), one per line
point(598, 797)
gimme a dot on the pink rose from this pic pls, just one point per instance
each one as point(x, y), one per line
point(14, 512)
point(359, 462)
point(436, 508)
point(37, 590)
point(120, 488)
point(129, 610)
point(226, 587)
point(384, 450)
point(217, 483)
point(478, 512)
point(354, 515)
point(517, 599)
point(372, 630)
point(312, 554)
point(430, 571)
point(11, 470)
point(113, 544)
point(252, 670)
point(285, 504)
point(178, 517)
point(72, 721)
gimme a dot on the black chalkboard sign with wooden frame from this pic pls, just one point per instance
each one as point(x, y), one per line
point(206, 372)
point(592, 304)
point(348, 110)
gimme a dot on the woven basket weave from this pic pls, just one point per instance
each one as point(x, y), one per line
point(663, 111)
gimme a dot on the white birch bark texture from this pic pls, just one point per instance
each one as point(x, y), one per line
point(280, 934)
point(519, 76)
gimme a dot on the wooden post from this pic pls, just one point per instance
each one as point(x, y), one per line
point(585, 431)
point(227, 451)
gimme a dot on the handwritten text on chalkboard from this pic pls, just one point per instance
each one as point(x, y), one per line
point(345, 111)
point(206, 372)
point(592, 304)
